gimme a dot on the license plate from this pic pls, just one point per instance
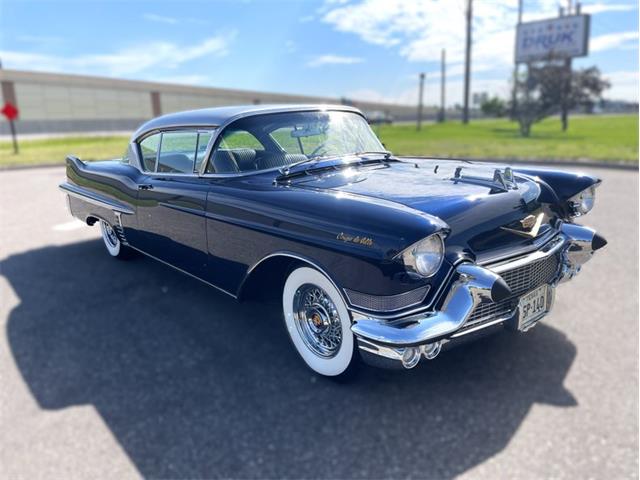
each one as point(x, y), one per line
point(532, 306)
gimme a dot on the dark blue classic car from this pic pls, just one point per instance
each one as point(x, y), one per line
point(373, 256)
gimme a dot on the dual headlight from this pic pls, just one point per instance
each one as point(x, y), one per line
point(425, 256)
point(583, 202)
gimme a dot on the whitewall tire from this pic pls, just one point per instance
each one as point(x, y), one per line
point(318, 322)
point(111, 240)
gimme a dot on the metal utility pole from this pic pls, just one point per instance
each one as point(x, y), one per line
point(467, 65)
point(419, 124)
point(443, 67)
point(516, 68)
point(564, 116)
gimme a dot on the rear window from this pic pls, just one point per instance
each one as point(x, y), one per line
point(180, 151)
point(149, 151)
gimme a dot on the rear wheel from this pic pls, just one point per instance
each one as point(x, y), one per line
point(318, 322)
point(112, 242)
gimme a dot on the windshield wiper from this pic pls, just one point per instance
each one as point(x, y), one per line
point(387, 154)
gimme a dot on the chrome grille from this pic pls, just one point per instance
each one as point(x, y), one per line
point(387, 303)
point(531, 275)
point(488, 311)
point(521, 280)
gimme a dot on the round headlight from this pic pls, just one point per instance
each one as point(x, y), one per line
point(425, 256)
point(583, 202)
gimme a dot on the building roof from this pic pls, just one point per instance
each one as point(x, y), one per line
point(208, 117)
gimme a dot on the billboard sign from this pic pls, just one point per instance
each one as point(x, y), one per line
point(562, 37)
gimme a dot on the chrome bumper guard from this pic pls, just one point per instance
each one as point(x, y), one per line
point(406, 339)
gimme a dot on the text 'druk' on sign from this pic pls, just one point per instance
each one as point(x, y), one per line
point(562, 37)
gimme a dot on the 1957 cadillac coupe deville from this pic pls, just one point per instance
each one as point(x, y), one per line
point(374, 256)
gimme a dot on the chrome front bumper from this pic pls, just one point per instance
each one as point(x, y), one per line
point(405, 339)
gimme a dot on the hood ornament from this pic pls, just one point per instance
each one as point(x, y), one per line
point(502, 179)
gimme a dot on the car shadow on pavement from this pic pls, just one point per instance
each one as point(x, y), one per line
point(193, 384)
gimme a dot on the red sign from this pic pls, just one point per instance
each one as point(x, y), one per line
point(10, 111)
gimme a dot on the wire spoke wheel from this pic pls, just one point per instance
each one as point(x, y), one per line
point(317, 320)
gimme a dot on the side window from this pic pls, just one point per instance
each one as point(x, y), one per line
point(239, 139)
point(177, 152)
point(149, 152)
point(235, 152)
point(203, 142)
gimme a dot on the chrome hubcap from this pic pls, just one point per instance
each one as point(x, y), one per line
point(317, 320)
point(109, 235)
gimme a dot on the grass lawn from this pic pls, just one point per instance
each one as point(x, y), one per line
point(55, 150)
point(602, 138)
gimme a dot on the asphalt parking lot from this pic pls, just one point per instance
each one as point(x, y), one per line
point(126, 369)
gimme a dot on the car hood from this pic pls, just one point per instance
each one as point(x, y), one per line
point(475, 209)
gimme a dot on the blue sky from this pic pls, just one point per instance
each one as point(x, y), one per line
point(363, 49)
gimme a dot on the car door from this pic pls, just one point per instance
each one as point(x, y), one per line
point(172, 199)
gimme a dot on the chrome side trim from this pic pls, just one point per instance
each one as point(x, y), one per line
point(95, 199)
point(184, 271)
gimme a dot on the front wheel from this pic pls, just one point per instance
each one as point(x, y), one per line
point(112, 242)
point(318, 322)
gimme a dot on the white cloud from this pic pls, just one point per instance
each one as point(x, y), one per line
point(126, 62)
point(330, 59)
point(607, 7)
point(152, 17)
point(614, 40)
point(43, 39)
point(624, 85)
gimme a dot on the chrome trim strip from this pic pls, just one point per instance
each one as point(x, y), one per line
point(183, 271)
point(546, 251)
point(95, 199)
point(390, 298)
point(483, 326)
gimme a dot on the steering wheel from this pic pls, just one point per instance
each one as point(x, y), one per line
point(320, 149)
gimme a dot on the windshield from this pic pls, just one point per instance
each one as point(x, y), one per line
point(276, 140)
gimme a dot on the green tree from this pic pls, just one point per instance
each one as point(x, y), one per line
point(545, 89)
point(494, 107)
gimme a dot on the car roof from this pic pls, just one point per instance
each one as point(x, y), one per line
point(208, 117)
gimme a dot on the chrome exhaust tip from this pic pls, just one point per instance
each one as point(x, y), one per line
point(431, 350)
point(410, 357)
